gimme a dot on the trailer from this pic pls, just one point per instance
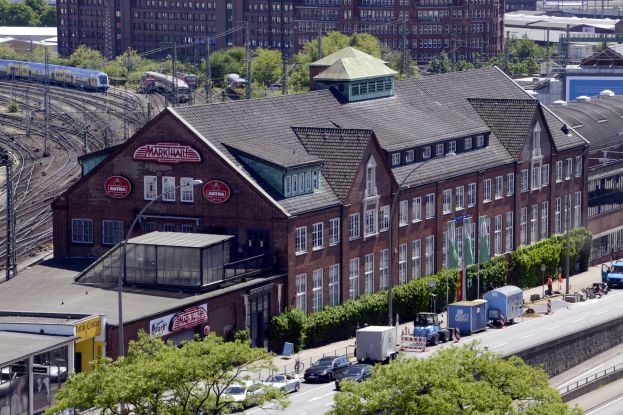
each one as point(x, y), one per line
point(376, 344)
point(504, 304)
point(468, 316)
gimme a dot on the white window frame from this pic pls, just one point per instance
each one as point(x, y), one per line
point(429, 255)
point(536, 176)
point(499, 187)
point(559, 171)
point(317, 236)
point(569, 172)
point(472, 195)
point(384, 269)
point(334, 231)
point(578, 166)
point(510, 184)
point(404, 213)
point(334, 284)
point(402, 264)
point(187, 190)
point(452, 147)
point(523, 226)
point(410, 156)
point(417, 209)
point(557, 216)
point(447, 201)
point(369, 273)
point(150, 187)
point(498, 248)
point(301, 292)
point(545, 175)
point(112, 232)
point(308, 181)
point(354, 226)
point(534, 224)
point(486, 197)
point(525, 180)
point(416, 259)
point(459, 198)
point(317, 290)
point(577, 210)
point(370, 222)
point(82, 231)
point(383, 218)
point(430, 205)
point(544, 219)
point(353, 278)
point(439, 150)
point(480, 141)
point(168, 184)
point(467, 143)
point(396, 159)
point(426, 152)
point(300, 240)
point(371, 178)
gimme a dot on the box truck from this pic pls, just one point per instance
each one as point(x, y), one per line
point(376, 344)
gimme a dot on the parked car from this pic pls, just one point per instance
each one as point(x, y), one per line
point(285, 382)
point(356, 373)
point(327, 368)
point(243, 395)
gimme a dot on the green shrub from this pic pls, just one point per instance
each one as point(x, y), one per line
point(288, 327)
point(242, 335)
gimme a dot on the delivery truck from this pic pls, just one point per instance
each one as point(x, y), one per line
point(376, 344)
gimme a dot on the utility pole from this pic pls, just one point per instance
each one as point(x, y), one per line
point(405, 60)
point(247, 43)
point(46, 107)
point(11, 257)
point(208, 75)
point(174, 74)
point(284, 81)
point(319, 39)
point(128, 66)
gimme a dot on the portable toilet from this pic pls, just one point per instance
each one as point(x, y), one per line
point(505, 303)
point(469, 316)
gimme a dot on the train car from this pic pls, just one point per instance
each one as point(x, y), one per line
point(189, 78)
point(166, 85)
point(56, 74)
point(235, 86)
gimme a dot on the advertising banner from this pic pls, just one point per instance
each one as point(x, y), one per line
point(185, 319)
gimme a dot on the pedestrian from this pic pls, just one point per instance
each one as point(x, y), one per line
point(549, 285)
point(490, 287)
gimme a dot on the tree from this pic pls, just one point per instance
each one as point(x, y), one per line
point(441, 65)
point(19, 14)
point(48, 17)
point(85, 57)
point(37, 6)
point(464, 380)
point(157, 378)
point(267, 66)
point(4, 12)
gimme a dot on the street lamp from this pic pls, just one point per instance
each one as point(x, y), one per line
point(543, 279)
point(389, 235)
point(122, 259)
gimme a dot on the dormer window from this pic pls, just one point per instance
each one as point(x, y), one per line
point(371, 178)
point(410, 156)
point(439, 150)
point(426, 152)
point(480, 141)
point(467, 143)
point(395, 159)
point(452, 147)
point(301, 182)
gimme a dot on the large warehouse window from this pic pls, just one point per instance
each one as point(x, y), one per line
point(82, 231)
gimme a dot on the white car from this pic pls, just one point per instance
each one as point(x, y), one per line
point(287, 383)
point(242, 395)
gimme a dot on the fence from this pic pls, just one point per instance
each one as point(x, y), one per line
point(591, 382)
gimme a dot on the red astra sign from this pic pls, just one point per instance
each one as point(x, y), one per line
point(189, 318)
point(172, 153)
point(216, 191)
point(117, 187)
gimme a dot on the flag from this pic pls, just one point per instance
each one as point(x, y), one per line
point(483, 239)
point(453, 256)
point(468, 245)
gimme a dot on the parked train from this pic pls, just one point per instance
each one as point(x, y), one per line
point(189, 78)
point(165, 84)
point(57, 74)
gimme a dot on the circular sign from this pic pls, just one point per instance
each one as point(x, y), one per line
point(216, 191)
point(117, 187)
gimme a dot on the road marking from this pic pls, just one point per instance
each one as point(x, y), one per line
point(552, 328)
point(529, 335)
point(331, 385)
point(601, 312)
point(580, 319)
point(321, 396)
point(604, 406)
point(499, 345)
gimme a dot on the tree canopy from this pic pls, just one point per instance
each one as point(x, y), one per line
point(157, 378)
point(465, 380)
point(28, 13)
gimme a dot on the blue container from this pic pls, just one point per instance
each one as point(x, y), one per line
point(469, 316)
point(505, 303)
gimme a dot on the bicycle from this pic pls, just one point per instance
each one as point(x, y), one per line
point(299, 366)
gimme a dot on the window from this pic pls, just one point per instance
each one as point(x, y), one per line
point(353, 278)
point(557, 218)
point(187, 193)
point(452, 147)
point(301, 240)
point(559, 171)
point(577, 213)
point(317, 241)
point(467, 143)
point(404, 212)
point(402, 263)
point(426, 152)
point(430, 205)
point(497, 235)
point(187, 228)
point(536, 176)
point(486, 232)
point(334, 284)
point(334, 231)
point(545, 175)
point(308, 181)
point(569, 169)
point(370, 222)
point(149, 227)
point(510, 184)
point(523, 226)
point(301, 292)
point(429, 259)
point(536, 141)
point(383, 218)
point(410, 156)
point(487, 191)
point(534, 224)
point(82, 231)
point(509, 231)
point(315, 181)
point(168, 184)
point(544, 220)
point(460, 198)
point(354, 228)
point(499, 187)
point(150, 186)
point(295, 184)
point(287, 185)
point(568, 212)
point(439, 150)
point(447, 201)
point(317, 290)
point(369, 273)
point(384, 268)
point(578, 166)
point(168, 227)
point(459, 241)
point(112, 232)
point(395, 159)
point(371, 178)
point(417, 209)
point(416, 265)
point(471, 194)
point(480, 141)
point(524, 180)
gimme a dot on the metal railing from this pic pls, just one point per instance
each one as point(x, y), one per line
point(589, 379)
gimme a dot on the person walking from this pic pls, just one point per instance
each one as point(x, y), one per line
point(549, 285)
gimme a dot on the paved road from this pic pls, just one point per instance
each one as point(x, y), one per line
point(606, 400)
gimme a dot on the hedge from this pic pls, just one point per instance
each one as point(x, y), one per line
point(521, 267)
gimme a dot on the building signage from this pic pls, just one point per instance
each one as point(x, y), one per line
point(171, 153)
point(117, 187)
point(89, 328)
point(216, 191)
point(180, 321)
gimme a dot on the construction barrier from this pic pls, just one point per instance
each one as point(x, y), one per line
point(412, 343)
point(549, 307)
point(457, 335)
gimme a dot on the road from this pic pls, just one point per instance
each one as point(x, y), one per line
point(606, 400)
point(318, 398)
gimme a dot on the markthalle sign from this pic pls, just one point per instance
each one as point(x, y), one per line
point(170, 153)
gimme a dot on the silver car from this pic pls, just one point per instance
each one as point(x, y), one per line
point(285, 382)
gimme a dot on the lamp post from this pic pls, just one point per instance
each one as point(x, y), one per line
point(122, 260)
point(543, 279)
point(389, 236)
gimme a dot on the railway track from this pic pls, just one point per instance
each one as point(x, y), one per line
point(105, 118)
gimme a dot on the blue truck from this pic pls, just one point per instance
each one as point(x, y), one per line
point(612, 274)
point(504, 304)
point(427, 325)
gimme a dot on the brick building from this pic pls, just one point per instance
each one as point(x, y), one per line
point(309, 178)
point(462, 28)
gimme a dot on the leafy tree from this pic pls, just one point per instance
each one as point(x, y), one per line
point(19, 14)
point(7, 52)
point(464, 380)
point(441, 65)
point(288, 327)
point(85, 57)
point(130, 60)
point(37, 6)
point(157, 378)
point(48, 17)
point(4, 11)
point(267, 66)
point(394, 61)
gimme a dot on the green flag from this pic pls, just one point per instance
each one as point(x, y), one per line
point(483, 239)
point(468, 242)
point(453, 256)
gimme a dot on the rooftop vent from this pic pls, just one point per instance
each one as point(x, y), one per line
point(583, 98)
point(606, 93)
point(560, 102)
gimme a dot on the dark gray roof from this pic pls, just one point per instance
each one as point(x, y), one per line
point(179, 239)
point(18, 346)
point(341, 151)
point(510, 120)
point(599, 120)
